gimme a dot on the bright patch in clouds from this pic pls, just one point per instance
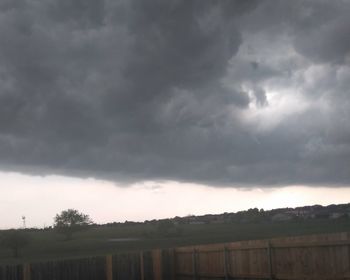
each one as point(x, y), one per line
point(281, 105)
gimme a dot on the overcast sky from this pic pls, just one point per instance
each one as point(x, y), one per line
point(152, 103)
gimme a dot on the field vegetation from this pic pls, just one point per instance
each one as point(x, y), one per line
point(101, 240)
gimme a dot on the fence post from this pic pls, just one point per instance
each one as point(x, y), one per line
point(109, 267)
point(194, 264)
point(26, 271)
point(157, 264)
point(269, 256)
point(168, 264)
point(173, 263)
point(142, 266)
point(226, 263)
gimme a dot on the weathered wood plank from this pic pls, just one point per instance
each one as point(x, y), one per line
point(157, 264)
point(142, 266)
point(26, 271)
point(109, 267)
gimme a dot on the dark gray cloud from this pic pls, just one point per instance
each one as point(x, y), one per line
point(218, 92)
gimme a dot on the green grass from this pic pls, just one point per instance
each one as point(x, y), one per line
point(46, 245)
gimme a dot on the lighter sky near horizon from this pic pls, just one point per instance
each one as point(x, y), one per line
point(39, 199)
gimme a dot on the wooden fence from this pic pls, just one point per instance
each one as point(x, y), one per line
point(303, 257)
point(325, 257)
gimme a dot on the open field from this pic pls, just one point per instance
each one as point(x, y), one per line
point(96, 240)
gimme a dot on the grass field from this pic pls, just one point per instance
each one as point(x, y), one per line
point(94, 241)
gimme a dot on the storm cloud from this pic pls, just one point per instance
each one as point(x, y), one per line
point(235, 93)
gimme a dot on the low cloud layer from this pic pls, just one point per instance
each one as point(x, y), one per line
point(237, 93)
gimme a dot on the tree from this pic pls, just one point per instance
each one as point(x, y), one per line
point(15, 240)
point(70, 221)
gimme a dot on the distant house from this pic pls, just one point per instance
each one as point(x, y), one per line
point(321, 214)
point(218, 220)
point(196, 223)
point(336, 215)
point(300, 212)
point(281, 217)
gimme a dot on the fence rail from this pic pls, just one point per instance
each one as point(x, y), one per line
point(324, 257)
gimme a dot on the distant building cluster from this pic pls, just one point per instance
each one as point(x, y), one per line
point(253, 215)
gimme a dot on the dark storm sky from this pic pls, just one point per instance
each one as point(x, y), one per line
point(215, 92)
